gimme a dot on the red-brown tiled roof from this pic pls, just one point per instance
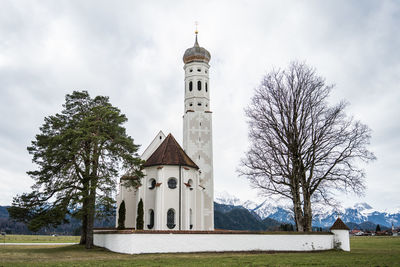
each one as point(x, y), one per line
point(170, 153)
point(339, 225)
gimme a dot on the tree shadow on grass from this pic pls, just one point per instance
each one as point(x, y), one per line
point(50, 249)
point(66, 249)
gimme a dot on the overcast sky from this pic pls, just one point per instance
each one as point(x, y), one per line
point(132, 51)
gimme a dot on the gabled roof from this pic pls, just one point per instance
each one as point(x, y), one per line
point(339, 225)
point(170, 153)
point(160, 137)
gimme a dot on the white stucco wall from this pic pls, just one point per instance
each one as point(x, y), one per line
point(170, 243)
point(162, 198)
point(129, 195)
point(341, 239)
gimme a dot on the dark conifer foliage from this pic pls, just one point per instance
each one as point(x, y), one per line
point(79, 153)
point(140, 215)
point(121, 215)
point(288, 227)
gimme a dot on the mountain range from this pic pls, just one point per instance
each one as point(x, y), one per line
point(358, 216)
point(233, 214)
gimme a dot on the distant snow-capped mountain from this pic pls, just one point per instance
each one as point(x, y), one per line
point(322, 217)
point(227, 199)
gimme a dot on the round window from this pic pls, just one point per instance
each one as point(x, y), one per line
point(172, 183)
point(152, 183)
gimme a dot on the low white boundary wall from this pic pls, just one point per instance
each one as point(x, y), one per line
point(137, 243)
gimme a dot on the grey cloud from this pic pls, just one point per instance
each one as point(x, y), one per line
point(132, 51)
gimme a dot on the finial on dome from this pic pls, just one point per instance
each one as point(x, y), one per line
point(196, 32)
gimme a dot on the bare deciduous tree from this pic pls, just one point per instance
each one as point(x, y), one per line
point(303, 149)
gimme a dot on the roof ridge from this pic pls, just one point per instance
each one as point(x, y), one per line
point(180, 155)
point(166, 146)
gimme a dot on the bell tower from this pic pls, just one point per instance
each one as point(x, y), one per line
point(197, 127)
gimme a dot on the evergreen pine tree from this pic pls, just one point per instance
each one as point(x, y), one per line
point(79, 153)
point(378, 228)
point(139, 218)
point(121, 215)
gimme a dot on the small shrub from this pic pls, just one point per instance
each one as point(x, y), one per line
point(140, 214)
point(121, 215)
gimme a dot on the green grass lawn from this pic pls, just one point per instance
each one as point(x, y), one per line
point(365, 251)
point(38, 239)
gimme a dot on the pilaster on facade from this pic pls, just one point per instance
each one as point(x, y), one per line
point(160, 194)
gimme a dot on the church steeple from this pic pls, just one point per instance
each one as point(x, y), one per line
point(197, 123)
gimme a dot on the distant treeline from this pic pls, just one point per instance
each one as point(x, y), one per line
point(225, 217)
point(10, 226)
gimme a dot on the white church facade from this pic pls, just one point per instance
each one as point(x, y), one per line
point(177, 189)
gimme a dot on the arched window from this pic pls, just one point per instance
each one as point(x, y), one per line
point(190, 182)
point(190, 86)
point(171, 219)
point(190, 218)
point(151, 219)
point(172, 183)
point(199, 85)
point(152, 183)
point(206, 87)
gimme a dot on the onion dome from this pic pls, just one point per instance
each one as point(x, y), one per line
point(196, 53)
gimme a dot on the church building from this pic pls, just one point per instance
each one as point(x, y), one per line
point(178, 190)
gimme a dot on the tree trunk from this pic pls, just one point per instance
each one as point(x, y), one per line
point(297, 210)
point(85, 200)
point(83, 230)
point(307, 223)
point(298, 216)
point(90, 217)
point(307, 212)
point(84, 221)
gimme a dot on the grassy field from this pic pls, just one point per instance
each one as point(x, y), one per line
point(365, 251)
point(38, 239)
